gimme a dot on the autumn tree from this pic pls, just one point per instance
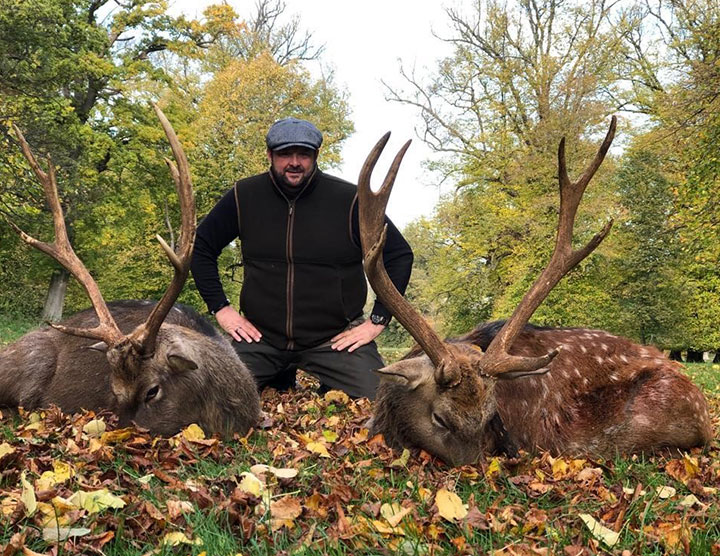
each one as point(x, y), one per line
point(522, 75)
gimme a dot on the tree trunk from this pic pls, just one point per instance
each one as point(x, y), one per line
point(694, 356)
point(675, 355)
point(716, 359)
point(56, 295)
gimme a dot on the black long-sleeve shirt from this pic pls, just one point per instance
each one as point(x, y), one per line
point(221, 226)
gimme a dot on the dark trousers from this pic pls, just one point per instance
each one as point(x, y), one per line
point(336, 370)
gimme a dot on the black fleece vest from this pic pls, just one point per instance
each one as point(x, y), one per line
point(303, 277)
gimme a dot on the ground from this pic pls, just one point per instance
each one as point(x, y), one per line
point(310, 481)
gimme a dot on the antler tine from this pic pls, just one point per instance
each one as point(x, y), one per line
point(371, 207)
point(180, 173)
point(61, 250)
point(496, 359)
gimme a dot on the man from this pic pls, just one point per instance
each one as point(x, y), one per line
point(304, 288)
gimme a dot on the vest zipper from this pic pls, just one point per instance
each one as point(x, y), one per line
point(290, 274)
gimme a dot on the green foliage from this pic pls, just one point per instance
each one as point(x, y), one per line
point(78, 81)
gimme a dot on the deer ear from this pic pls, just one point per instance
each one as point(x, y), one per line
point(179, 360)
point(99, 346)
point(411, 373)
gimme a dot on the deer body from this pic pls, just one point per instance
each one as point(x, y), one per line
point(602, 395)
point(194, 376)
point(156, 364)
point(564, 390)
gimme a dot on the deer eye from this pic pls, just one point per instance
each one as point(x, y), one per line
point(439, 421)
point(152, 393)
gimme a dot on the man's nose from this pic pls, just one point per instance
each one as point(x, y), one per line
point(294, 159)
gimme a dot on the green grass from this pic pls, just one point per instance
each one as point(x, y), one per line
point(12, 327)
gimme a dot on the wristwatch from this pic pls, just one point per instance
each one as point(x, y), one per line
point(379, 319)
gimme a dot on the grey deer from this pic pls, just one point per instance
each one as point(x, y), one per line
point(159, 365)
point(510, 385)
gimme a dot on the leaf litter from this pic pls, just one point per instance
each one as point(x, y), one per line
point(311, 480)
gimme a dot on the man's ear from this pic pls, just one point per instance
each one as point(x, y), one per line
point(269, 156)
point(410, 372)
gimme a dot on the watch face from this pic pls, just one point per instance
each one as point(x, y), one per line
point(378, 319)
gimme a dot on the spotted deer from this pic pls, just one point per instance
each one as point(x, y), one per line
point(159, 365)
point(510, 385)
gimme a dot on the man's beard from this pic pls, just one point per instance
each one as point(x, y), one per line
point(280, 178)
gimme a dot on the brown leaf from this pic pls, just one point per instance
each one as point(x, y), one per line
point(284, 512)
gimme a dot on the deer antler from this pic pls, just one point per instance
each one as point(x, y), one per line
point(371, 208)
point(496, 360)
point(61, 250)
point(143, 337)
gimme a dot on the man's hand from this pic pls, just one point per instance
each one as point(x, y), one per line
point(236, 325)
point(356, 337)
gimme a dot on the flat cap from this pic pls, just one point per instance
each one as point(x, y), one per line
point(292, 132)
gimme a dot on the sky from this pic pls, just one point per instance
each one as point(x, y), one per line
point(365, 43)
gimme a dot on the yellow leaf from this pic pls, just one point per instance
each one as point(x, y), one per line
point(318, 448)
point(330, 436)
point(193, 432)
point(6, 449)
point(96, 501)
point(493, 468)
point(449, 505)
point(692, 467)
point(394, 513)
point(402, 460)
point(251, 484)
point(560, 468)
point(665, 492)
point(336, 396)
point(178, 537)
point(599, 531)
point(95, 428)
point(118, 435)
point(28, 495)
point(689, 500)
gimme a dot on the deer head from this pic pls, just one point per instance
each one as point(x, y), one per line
point(138, 360)
point(444, 401)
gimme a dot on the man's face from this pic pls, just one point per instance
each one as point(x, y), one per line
point(293, 165)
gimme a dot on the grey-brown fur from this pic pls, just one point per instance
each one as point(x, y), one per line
point(603, 395)
point(47, 367)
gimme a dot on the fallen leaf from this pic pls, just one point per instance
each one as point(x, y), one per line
point(336, 396)
point(95, 428)
point(665, 492)
point(402, 460)
point(689, 501)
point(59, 534)
point(393, 513)
point(117, 435)
point(599, 531)
point(193, 432)
point(449, 505)
point(284, 512)
point(330, 436)
point(251, 484)
point(178, 537)
point(6, 449)
point(279, 472)
point(96, 501)
point(176, 508)
point(28, 495)
point(318, 448)
point(493, 468)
